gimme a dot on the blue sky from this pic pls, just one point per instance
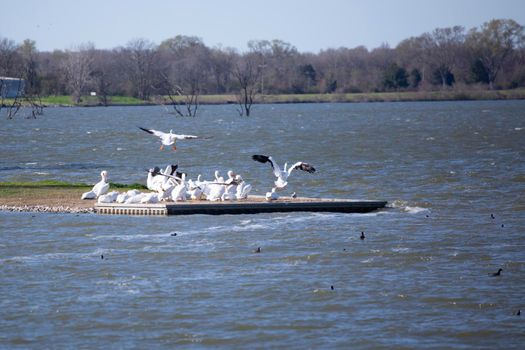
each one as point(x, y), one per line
point(310, 26)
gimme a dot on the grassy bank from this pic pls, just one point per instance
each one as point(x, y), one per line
point(52, 193)
point(447, 95)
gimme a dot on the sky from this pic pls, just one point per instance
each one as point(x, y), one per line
point(310, 26)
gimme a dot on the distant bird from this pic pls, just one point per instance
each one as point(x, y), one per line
point(282, 175)
point(100, 187)
point(362, 235)
point(102, 257)
point(258, 250)
point(332, 287)
point(173, 234)
point(492, 216)
point(497, 273)
point(294, 195)
point(168, 139)
point(518, 313)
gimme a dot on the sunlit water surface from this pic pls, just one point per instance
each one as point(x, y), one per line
point(420, 279)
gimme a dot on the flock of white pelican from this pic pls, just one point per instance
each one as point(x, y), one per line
point(171, 185)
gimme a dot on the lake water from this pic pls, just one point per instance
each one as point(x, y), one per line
point(420, 279)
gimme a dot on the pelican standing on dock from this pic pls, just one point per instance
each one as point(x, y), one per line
point(282, 175)
point(168, 139)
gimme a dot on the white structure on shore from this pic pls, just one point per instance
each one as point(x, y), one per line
point(11, 87)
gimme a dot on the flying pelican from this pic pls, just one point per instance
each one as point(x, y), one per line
point(100, 187)
point(282, 175)
point(168, 139)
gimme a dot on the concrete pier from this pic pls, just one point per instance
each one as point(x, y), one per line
point(251, 205)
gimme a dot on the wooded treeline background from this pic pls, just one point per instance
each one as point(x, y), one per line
point(491, 56)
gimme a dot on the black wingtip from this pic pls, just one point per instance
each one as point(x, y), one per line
point(260, 158)
point(307, 167)
point(146, 130)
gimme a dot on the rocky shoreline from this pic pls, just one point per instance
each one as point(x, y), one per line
point(46, 209)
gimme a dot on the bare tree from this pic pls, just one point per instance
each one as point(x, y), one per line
point(29, 72)
point(247, 71)
point(103, 74)
point(8, 57)
point(494, 43)
point(185, 73)
point(139, 63)
point(78, 67)
point(222, 61)
point(442, 51)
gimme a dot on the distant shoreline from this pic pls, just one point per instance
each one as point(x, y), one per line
point(409, 96)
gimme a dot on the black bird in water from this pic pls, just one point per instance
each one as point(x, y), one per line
point(492, 216)
point(332, 287)
point(173, 234)
point(518, 313)
point(102, 257)
point(362, 235)
point(497, 273)
point(258, 250)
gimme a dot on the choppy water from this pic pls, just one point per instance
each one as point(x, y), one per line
point(419, 280)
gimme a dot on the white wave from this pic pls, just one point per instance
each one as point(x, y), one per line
point(518, 129)
point(403, 206)
point(39, 258)
point(135, 237)
point(40, 173)
point(250, 227)
point(414, 210)
point(400, 250)
point(32, 163)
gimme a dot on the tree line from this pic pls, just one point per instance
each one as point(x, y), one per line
point(182, 68)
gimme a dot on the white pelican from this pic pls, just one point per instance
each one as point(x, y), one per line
point(282, 176)
point(100, 187)
point(121, 198)
point(149, 198)
point(134, 198)
point(168, 139)
point(242, 188)
point(214, 190)
point(194, 191)
point(109, 197)
point(231, 185)
point(154, 179)
point(271, 196)
point(218, 178)
point(179, 192)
